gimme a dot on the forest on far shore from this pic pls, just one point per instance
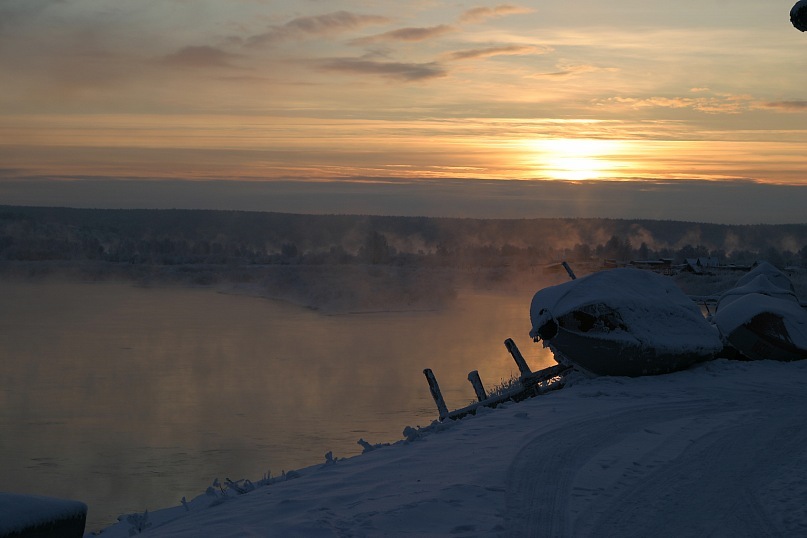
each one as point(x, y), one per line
point(238, 238)
point(359, 263)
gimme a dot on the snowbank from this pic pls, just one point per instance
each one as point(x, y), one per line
point(714, 450)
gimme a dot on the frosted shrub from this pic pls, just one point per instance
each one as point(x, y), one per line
point(139, 522)
point(291, 475)
point(412, 434)
point(505, 386)
point(369, 447)
point(211, 490)
point(267, 479)
point(239, 486)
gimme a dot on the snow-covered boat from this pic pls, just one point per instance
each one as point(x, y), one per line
point(623, 322)
point(769, 271)
point(761, 318)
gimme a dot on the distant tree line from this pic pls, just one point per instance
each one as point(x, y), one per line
point(233, 238)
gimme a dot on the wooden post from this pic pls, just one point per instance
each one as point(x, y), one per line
point(479, 389)
point(569, 270)
point(442, 410)
point(518, 357)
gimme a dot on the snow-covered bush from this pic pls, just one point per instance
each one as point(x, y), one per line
point(368, 447)
point(139, 522)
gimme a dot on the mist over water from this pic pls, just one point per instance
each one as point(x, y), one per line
point(128, 398)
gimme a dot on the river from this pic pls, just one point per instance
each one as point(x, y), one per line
point(128, 398)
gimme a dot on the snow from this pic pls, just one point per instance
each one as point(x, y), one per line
point(774, 275)
point(718, 449)
point(744, 308)
point(19, 512)
point(656, 312)
point(759, 285)
point(764, 289)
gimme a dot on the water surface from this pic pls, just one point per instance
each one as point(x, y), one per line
point(128, 398)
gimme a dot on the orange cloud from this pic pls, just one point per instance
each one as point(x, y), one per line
point(572, 70)
point(481, 14)
point(318, 25)
point(506, 50)
point(722, 104)
point(395, 70)
point(786, 106)
point(406, 34)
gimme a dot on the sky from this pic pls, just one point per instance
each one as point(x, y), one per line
point(307, 102)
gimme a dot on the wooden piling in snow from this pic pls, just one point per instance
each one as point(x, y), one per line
point(569, 271)
point(529, 384)
point(534, 384)
point(479, 389)
point(518, 357)
point(434, 388)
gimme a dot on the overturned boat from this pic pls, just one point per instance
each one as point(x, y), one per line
point(769, 271)
point(622, 322)
point(761, 318)
point(764, 278)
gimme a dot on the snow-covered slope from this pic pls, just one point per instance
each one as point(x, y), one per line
point(719, 449)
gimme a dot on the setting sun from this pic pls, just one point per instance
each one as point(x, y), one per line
point(576, 159)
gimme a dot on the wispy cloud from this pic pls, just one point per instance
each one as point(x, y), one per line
point(318, 25)
point(505, 50)
point(720, 104)
point(406, 34)
point(200, 57)
point(481, 14)
point(565, 71)
point(787, 106)
point(395, 70)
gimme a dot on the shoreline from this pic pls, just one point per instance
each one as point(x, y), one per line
point(467, 477)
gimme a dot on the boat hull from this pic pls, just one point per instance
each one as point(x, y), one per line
point(599, 356)
point(753, 346)
point(762, 327)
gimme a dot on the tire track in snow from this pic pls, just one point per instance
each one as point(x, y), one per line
point(718, 500)
point(542, 475)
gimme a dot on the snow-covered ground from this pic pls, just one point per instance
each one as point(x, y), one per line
point(720, 449)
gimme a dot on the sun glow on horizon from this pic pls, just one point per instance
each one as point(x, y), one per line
point(269, 148)
point(578, 159)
